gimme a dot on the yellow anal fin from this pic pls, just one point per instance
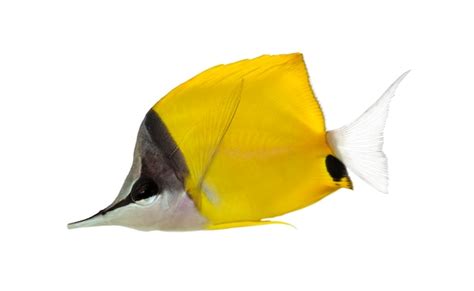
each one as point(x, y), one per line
point(246, 223)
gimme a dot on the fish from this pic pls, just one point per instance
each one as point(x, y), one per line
point(240, 144)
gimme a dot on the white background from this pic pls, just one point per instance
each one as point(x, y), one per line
point(77, 77)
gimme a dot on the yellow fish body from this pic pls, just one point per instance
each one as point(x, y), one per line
point(240, 143)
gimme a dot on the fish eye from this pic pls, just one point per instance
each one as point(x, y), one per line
point(144, 192)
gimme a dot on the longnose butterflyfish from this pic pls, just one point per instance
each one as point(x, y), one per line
point(239, 144)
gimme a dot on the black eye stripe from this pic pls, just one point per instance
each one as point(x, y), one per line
point(144, 188)
point(119, 204)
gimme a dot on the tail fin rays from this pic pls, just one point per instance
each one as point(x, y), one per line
point(359, 144)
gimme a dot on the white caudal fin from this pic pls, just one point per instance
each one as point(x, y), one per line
point(359, 144)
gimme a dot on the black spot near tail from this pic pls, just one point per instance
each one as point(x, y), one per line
point(336, 168)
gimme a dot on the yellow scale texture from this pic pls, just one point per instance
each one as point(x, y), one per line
point(253, 136)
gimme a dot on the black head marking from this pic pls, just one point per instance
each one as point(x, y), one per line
point(336, 168)
point(164, 142)
point(162, 163)
point(144, 188)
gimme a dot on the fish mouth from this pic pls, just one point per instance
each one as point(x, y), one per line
point(95, 220)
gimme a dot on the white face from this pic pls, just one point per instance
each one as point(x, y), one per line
point(164, 211)
point(143, 204)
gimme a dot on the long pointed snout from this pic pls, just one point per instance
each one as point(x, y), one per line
point(94, 220)
point(102, 217)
